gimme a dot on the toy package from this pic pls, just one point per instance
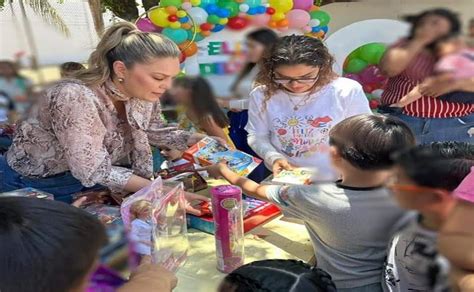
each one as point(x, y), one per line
point(185, 173)
point(155, 221)
point(229, 229)
point(102, 196)
point(28, 192)
point(297, 176)
point(209, 151)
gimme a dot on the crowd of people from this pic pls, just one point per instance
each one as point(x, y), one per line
point(390, 210)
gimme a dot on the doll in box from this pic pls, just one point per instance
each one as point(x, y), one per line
point(141, 228)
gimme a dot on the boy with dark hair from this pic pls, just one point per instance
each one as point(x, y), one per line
point(425, 178)
point(49, 246)
point(347, 220)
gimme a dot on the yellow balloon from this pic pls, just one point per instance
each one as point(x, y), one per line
point(159, 17)
point(175, 24)
point(278, 16)
point(181, 13)
point(195, 2)
point(223, 21)
point(281, 5)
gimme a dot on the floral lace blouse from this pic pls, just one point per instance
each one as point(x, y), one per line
point(77, 129)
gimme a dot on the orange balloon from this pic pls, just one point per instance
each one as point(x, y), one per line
point(186, 26)
point(171, 10)
point(314, 8)
point(273, 24)
point(283, 23)
point(206, 33)
point(188, 48)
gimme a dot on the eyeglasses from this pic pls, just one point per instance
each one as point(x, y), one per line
point(298, 80)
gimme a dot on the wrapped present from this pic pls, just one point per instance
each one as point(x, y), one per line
point(209, 151)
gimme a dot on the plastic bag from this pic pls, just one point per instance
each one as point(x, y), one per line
point(155, 220)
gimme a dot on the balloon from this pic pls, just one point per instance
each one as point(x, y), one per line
point(166, 3)
point(377, 93)
point(372, 53)
point(271, 10)
point(195, 2)
point(253, 3)
point(307, 29)
point(298, 18)
point(369, 74)
point(223, 21)
point(188, 48)
point(145, 24)
point(198, 15)
point(182, 57)
point(316, 29)
point(261, 19)
point(186, 25)
point(173, 18)
point(237, 23)
point(176, 35)
point(206, 26)
point(252, 11)
point(281, 5)
point(314, 22)
point(205, 33)
point(368, 88)
point(204, 3)
point(261, 9)
point(273, 24)
point(212, 8)
point(278, 16)
point(223, 13)
point(232, 7)
point(197, 38)
point(218, 27)
point(159, 17)
point(186, 6)
point(181, 14)
point(175, 24)
point(355, 65)
point(303, 4)
point(283, 23)
point(214, 19)
point(353, 77)
point(184, 19)
point(322, 16)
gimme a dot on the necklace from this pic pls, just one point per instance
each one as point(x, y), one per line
point(302, 102)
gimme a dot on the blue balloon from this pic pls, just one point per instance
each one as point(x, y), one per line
point(218, 27)
point(212, 8)
point(316, 29)
point(325, 29)
point(184, 19)
point(252, 11)
point(261, 9)
point(223, 13)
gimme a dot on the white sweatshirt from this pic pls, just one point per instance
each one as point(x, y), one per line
point(301, 136)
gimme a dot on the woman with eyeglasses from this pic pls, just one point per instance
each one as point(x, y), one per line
point(298, 100)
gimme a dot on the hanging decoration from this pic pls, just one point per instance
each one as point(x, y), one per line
point(189, 21)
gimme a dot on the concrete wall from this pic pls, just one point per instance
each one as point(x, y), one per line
point(346, 13)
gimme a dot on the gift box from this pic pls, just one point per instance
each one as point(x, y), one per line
point(209, 151)
point(256, 213)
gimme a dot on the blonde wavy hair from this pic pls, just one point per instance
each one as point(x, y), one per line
point(139, 207)
point(295, 50)
point(124, 42)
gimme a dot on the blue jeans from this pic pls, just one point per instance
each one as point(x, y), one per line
point(429, 130)
point(62, 186)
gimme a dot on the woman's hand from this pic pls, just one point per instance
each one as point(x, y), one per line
point(191, 203)
point(281, 164)
point(437, 86)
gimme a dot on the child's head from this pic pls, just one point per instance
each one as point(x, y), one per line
point(426, 175)
point(449, 44)
point(297, 64)
point(69, 69)
point(46, 245)
point(171, 154)
point(366, 142)
point(140, 210)
point(197, 95)
point(277, 275)
point(257, 42)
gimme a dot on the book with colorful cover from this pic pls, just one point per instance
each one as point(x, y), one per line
point(297, 176)
point(209, 151)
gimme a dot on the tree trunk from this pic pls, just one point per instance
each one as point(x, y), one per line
point(95, 8)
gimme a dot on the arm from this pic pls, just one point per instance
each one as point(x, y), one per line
point(150, 277)
point(411, 96)
point(208, 125)
point(465, 85)
point(444, 83)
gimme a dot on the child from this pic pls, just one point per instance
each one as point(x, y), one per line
point(277, 276)
point(456, 61)
point(300, 98)
point(140, 234)
point(347, 220)
point(195, 96)
point(425, 177)
point(49, 246)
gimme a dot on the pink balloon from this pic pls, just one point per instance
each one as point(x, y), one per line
point(353, 77)
point(298, 18)
point(302, 4)
point(145, 25)
point(371, 74)
point(261, 19)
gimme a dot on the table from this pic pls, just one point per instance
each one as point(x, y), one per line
point(280, 238)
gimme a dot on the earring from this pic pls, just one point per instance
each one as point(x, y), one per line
point(120, 80)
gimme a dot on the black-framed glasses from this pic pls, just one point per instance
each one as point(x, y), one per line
point(286, 80)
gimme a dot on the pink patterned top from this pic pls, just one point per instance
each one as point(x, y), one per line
point(77, 129)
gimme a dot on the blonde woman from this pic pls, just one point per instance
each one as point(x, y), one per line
point(86, 126)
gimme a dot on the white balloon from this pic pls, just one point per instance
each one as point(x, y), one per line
point(314, 22)
point(377, 93)
point(244, 7)
point(198, 15)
